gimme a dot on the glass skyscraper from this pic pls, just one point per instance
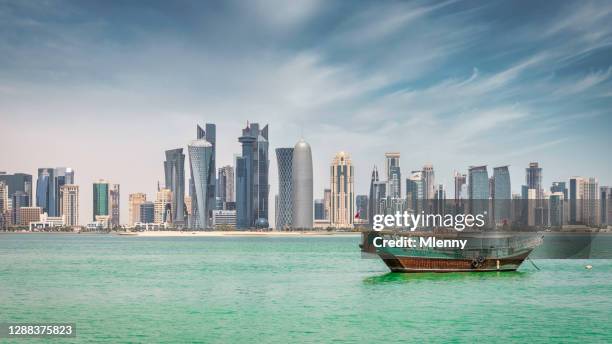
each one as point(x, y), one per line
point(252, 186)
point(45, 191)
point(502, 195)
point(200, 160)
point(284, 161)
point(100, 199)
point(478, 187)
point(174, 172)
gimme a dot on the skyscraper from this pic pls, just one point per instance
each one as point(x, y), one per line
point(342, 191)
point(252, 186)
point(576, 191)
point(70, 204)
point(45, 190)
point(301, 180)
point(18, 182)
point(361, 204)
point(502, 195)
point(429, 182)
point(135, 200)
point(63, 176)
point(20, 199)
point(226, 184)
point(174, 171)
point(559, 187)
point(590, 202)
point(533, 178)
point(163, 207)
point(319, 209)
point(478, 186)
point(115, 208)
point(147, 212)
point(4, 205)
point(605, 207)
point(210, 135)
point(393, 175)
point(201, 162)
point(100, 198)
point(284, 211)
point(327, 203)
point(373, 201)
point(415, 191)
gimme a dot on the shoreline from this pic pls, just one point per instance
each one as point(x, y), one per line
point(151, 234)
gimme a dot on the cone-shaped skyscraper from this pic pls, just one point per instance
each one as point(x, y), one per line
point(301, 178)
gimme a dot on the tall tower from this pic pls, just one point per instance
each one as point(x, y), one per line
point(478, 185)
point(210, 135)
point(226, 184)
point(200, 160)
point(45, 190)
point(135, 200)
point(174, 171)
point(62, 176)
point(70, 204)
point(284, 211)
point(394, 175)
point(301, 177)
point(502, 195)
point(372, 199)
point(115, 207)
point(163, 206)
point(342, 191)
point(415, 191)
point(252, 186)
point(100, 199)
point(429, 181)
point(533, 178)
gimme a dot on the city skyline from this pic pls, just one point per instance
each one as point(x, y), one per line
point(444, 96)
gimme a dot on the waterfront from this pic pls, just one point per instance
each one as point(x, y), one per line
point(287, 289)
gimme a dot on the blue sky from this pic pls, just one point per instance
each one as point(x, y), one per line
point(105, 87)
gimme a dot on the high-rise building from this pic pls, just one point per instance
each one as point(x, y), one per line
point(135, 200)
point(20, 199)
point(393, 175)
point(478, 189)
point(533, 178)
point(459, 181)
point(163, 206)
point(45, 190)
point(70, 204)
point(559, 187)
point(342, 191)
point(174, 172)
point(252, 186)
point(429, 182)
point(439, 202)
point(576, 186)
point(361, 205)
point(210, 135)
point(319, 209)
point(327, 203)
point(4, 205)
point(605, 205)
point(415, 191)
point(114, 198)
point(373, 200)
point(147, 212)
point(18, 182)
point(590, 202)
point(301, 181)
point(63, 176)
point(502, 195)
point(556, 200)
point(200, 160)
point(225, 186)
point(284, 202)
point(101, 202)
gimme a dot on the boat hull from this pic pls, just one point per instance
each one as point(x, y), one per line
point(428, 264)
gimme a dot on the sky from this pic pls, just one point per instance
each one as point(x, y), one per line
point(106, 87)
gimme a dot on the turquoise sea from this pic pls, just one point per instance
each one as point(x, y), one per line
point(307, 289)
